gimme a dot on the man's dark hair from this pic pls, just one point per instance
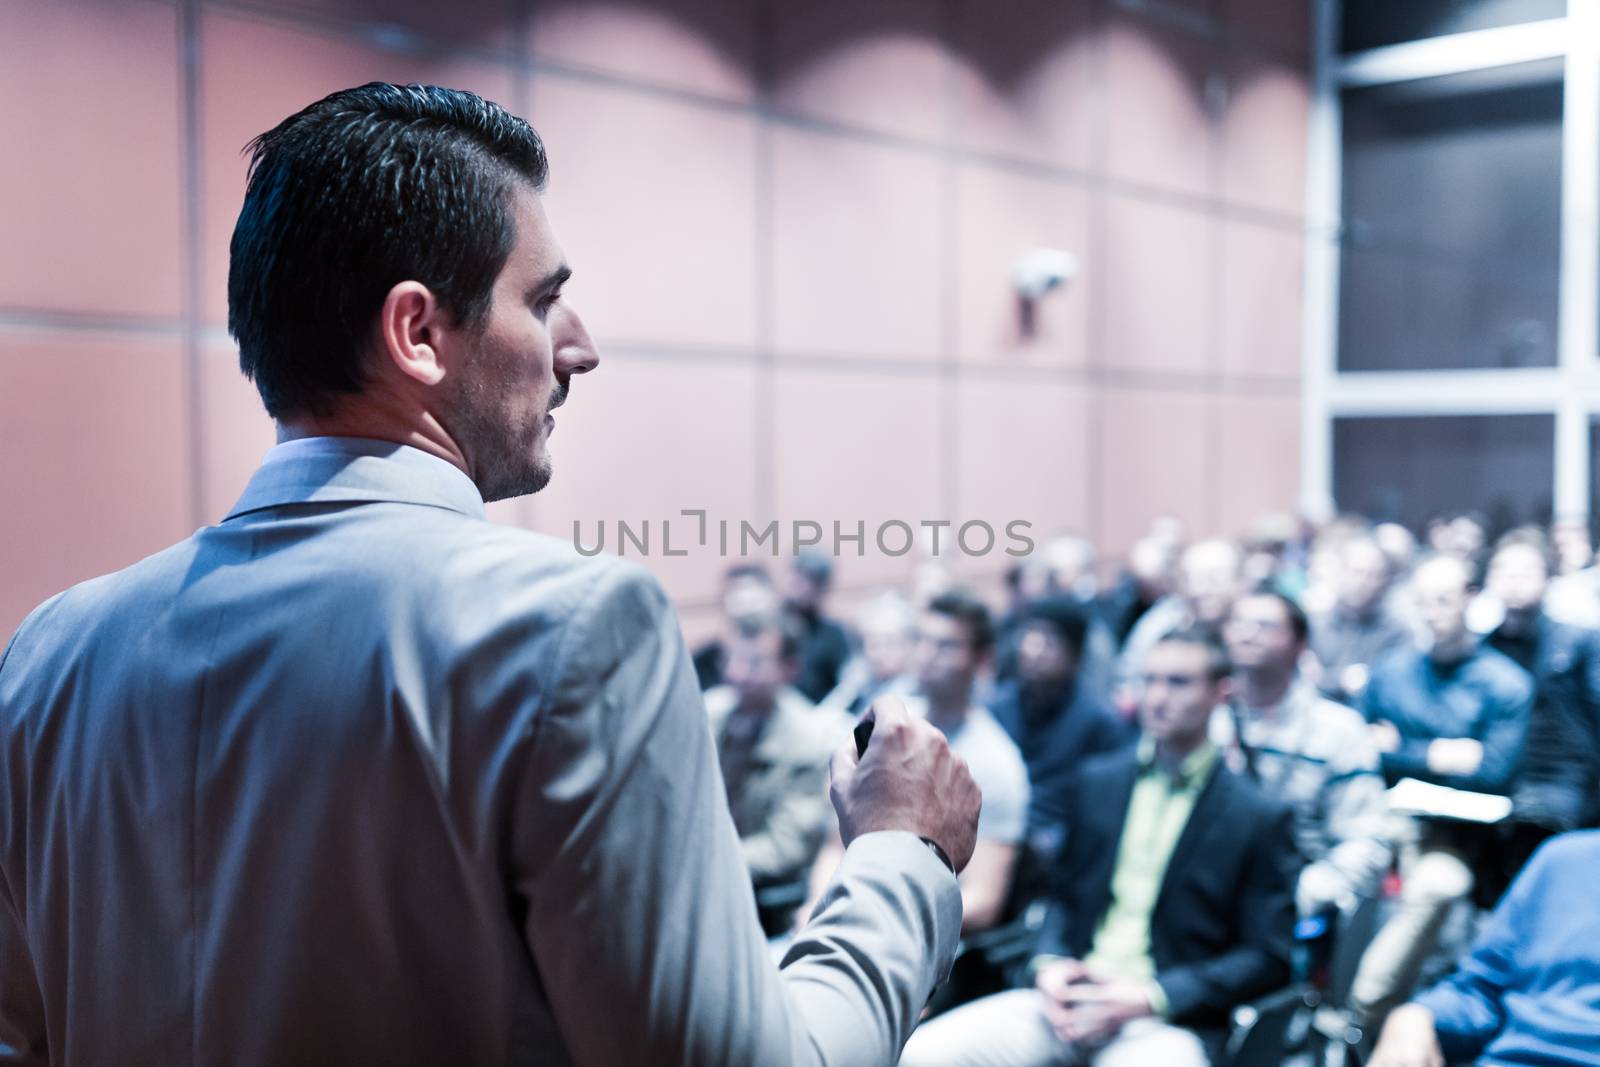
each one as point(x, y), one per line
point(1293, 613)
point(364, 189)
point(1218, 664)
point(1064, 617)
point(971, 612)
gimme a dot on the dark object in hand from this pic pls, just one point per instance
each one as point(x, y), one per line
point(863, 732)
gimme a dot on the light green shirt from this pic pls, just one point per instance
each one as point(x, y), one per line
point(1157, 813)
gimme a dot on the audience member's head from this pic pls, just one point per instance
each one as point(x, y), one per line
point(761, 656)
point(1072, 561)
point(1050, 644)
point(1573, 546)
point(1265, 633)
point(810, 574)
point(748, 594)
point(1398, 544)
point(1027, 580)
point(1519, 571)
point(888, 636)
point(1458, 533)
point(1153, 564)
point(1185, 679)
point(954, 636)
point(1169, 530)
point(929, 579)
point(1362, 577)
point(1441, 585)
point(1266, 544)
point(1208, 579)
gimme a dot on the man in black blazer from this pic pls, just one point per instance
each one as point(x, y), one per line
point(1174, 900)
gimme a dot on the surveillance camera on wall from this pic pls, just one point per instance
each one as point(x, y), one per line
point(1039, 270)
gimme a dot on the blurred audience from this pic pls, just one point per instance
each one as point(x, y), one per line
point(955, 637)
point(824, 644)
point(1357, 626)
point(1055, 721)
point(1453, 712)
point(1072, 561)
point(1064, 569)
point(1271, 556)
point(1574, 597)
point(1558, 784)
point(1573, 548)
point(1462, 534)
point(1529, 991)
point(774, 751)
point(748, 600)
point(888, 636)
point(1398, 544)
point(1152, 817)
point(1150, 577)
point(1307, 751)
point(1448, 709)
point(1173, 901)
point(1209, 577)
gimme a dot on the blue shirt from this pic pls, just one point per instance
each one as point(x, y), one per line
point(1528, 995)
point(1485, 696)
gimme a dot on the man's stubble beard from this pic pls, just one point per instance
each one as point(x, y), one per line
point(507, 462)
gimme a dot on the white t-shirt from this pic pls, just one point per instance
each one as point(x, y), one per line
point(997, 766)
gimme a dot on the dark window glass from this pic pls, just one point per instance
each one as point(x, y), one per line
point(1452, 211)
point(1410, 469)
point(1371, 23)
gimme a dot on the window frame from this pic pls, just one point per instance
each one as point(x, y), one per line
point(1570, 391)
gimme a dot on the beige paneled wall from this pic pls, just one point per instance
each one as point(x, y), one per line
point(793, 225)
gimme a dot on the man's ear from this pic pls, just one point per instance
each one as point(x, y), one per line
point(410, 327)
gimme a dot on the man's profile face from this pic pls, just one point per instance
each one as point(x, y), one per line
point(512, 372)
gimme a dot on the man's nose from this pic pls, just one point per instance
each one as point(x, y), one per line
point(575, 351)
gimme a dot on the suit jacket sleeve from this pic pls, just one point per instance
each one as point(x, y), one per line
point(1259, 963)
point(639, 912)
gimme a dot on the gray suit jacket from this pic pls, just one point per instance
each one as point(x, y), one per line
point(358, 777)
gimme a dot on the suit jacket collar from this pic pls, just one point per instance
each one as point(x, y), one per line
point(349, 470)
point(1196, 766)
point(1118, 796)
point(1205, 816)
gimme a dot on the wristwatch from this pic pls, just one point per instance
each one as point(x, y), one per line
point(944, 858)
